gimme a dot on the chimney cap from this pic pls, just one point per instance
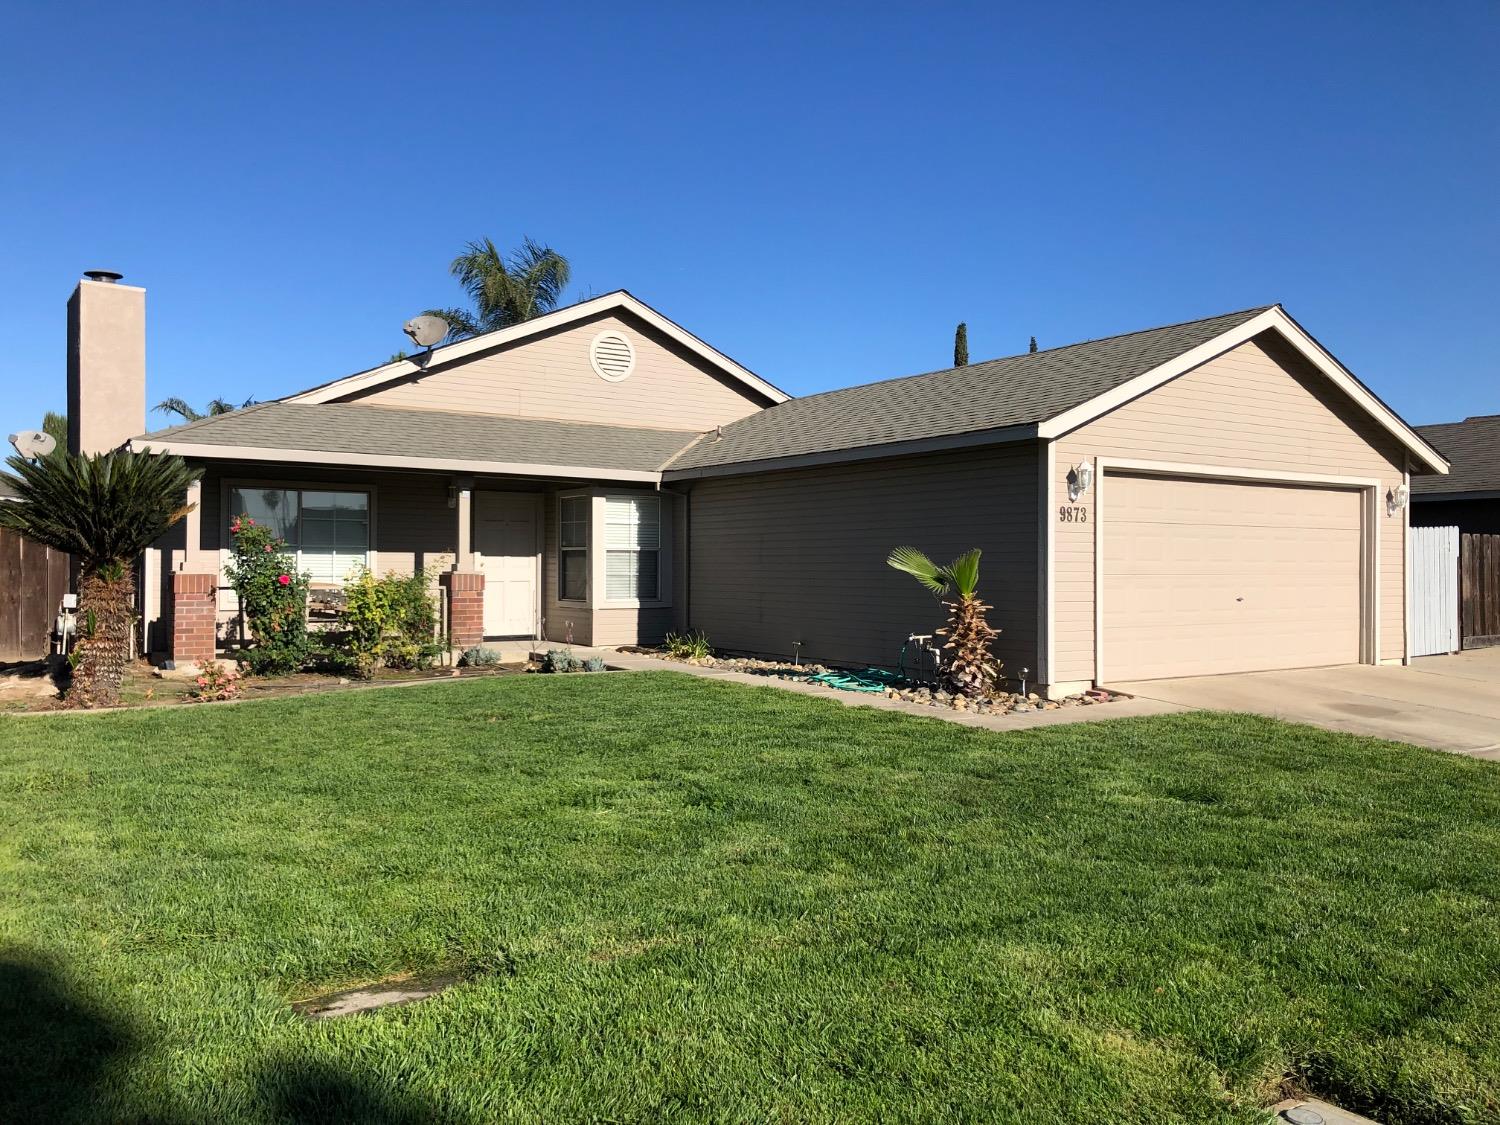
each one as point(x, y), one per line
point(103, 275)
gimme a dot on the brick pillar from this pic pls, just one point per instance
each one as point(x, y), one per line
point(465, 608)
point(195, 613)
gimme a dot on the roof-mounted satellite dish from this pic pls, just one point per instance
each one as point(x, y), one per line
point(425, 331)
point(31, 444)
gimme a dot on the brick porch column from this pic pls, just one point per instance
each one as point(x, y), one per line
point(465, 608)
point(195, 612)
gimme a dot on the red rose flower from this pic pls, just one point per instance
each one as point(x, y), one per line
point(285, 580)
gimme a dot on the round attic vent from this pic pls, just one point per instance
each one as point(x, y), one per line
point(613, 356)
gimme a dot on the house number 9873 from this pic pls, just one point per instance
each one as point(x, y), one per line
point(1072, 513)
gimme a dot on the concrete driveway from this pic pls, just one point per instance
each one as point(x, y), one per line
point(1445, 702)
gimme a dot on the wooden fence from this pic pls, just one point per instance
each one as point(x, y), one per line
point(1479, 589)
point(33, 580)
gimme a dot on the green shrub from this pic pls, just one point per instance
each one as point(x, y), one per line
point(689, 646)
point(479, 657)
point(561, 660)
point(388, 622)
point(273, 599)
point(594, 664)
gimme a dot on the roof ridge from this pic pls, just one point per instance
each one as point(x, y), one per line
point(1025, 355)
point(667, 464)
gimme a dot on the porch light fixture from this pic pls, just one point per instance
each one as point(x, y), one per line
point(1396, 499)
point(452, 496)
point(1080, 476)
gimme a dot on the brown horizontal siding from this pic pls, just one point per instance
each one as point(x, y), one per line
point(550, 376)
point(1259, 406)
point(800, 555)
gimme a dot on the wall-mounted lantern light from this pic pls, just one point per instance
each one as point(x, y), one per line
point(1080, 476)
point(452, 496)
point(1396, 499)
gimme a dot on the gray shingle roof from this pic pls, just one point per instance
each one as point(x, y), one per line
point(1473, 446)
point(7, 488)
point(1019, 390)
point(442, 435)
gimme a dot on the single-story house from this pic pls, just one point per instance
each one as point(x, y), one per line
point(1212, 496)
point(1468, 497)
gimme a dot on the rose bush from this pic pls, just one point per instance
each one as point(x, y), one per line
point(273, 599)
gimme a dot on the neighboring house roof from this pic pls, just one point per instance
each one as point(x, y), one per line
point(8, 488)
point(619, 300)
point(1473, 446)
point(1040, 394)
point(379, 436)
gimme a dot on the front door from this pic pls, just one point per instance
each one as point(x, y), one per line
point(506, 541)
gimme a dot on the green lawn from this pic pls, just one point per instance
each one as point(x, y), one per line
point(682, 900)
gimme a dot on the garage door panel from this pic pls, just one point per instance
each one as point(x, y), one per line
point(1203, 577)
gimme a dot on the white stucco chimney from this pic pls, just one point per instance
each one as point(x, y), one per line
point(106, 363)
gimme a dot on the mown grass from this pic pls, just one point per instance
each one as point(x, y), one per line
point(686, 900)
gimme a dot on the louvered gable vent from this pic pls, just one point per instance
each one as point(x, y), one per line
point(613, 356)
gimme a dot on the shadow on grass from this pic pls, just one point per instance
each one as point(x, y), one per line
point(305, 1091)
point(57, 1045)
point(64, 1058)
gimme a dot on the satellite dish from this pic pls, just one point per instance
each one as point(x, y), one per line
point(33, 443)
point(426, 331)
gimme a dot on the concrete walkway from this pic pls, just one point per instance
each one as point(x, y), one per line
point(1443, 702)
point(1122, 709)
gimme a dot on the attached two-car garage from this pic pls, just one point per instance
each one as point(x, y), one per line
point(1205, 576)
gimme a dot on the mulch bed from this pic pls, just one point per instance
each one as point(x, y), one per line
point(998, 703)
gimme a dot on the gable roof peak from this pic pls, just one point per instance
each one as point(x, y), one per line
point(617, 299)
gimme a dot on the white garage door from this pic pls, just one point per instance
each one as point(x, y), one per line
point(1203, 577)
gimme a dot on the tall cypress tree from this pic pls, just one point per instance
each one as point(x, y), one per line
point(1033, 343)
point(961, 345)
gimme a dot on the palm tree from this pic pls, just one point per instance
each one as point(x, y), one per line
point(971, 670)
point(505, 291)
point(180, 407)
point(104, 510)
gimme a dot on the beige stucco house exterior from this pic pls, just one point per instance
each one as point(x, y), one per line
point(1213, 496)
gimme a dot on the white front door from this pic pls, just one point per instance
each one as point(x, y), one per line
point(506, 526)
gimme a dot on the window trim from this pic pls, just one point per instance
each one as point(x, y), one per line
point(588, 548)
point(227, 485)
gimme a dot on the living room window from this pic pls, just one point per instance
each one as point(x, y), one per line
point(328, 531)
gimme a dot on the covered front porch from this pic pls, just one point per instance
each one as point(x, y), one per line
point(513, 560)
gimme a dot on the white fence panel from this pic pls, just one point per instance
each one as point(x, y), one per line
point(1432, 572)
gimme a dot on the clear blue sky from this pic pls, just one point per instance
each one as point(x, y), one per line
point(822, 191)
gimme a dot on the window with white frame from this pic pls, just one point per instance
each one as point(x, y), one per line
point(328, 531)
point(573, 555)
point(632, 548)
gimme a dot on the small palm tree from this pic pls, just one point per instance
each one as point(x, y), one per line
point(971, 669)
point(103, 510)
point(505, 291)
point(180, 407)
